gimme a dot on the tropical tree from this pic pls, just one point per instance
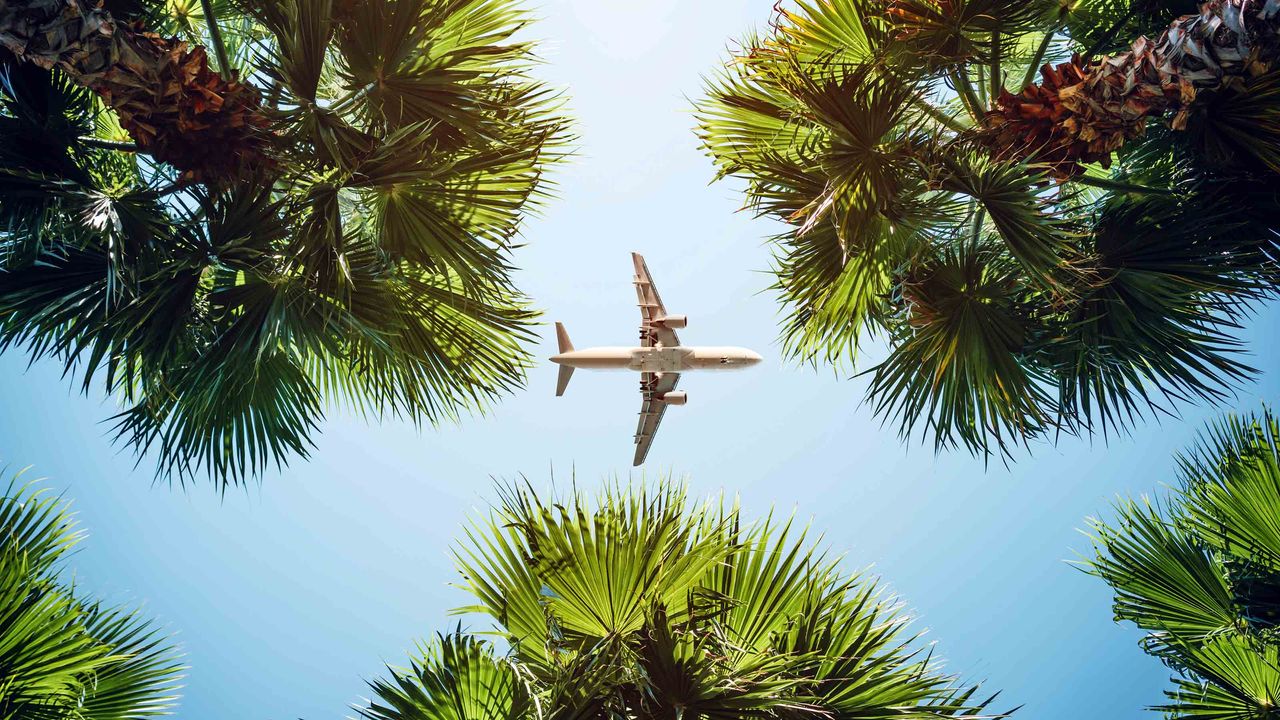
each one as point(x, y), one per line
point(1201, 575)
point(1039, 258)
point(326, 215)
point(63, 656)
point(645, 605)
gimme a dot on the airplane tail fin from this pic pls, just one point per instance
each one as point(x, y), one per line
point(566, 371)
point(562, 337)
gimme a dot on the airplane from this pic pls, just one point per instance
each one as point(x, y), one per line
point(659, 359)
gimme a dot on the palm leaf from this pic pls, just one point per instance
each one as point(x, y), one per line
point(962, 368)
point(641, 603)
point(1239, 681)
point(366, 259)
point(1233, 485)
point(455, 677)
point(1165, 581)
point(60, 658)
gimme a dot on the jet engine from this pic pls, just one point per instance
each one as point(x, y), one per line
point(673, 322)
point(675, 397)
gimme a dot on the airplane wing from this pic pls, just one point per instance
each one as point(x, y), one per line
point(651, 308)
point(652, 386)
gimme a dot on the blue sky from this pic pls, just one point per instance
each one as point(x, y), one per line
point(287, 596)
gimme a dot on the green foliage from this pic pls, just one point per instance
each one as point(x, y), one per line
point(457, 677)
point(1202, 575)
point(1015, 306)
point(643, 604)
point(1110, 25)
point(1239, 124)
point(62, 657)
point(368, 263)
point(957, 362)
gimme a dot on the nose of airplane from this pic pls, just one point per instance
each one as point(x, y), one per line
point(753, 358)
point(557, 359)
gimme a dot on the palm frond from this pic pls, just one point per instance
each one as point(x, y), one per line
point(960, 366)
point(605, 569)
point(1237, 126)
point(1157, 318)
point(885, 137)
point(61, 657)
point(1026, 221)
point(365, 258)
point(1109, 25)
point(643, 603)
point(842, 33)
point(1165, 582)
point(684, 674)
point(1201, 577)
point(1232, 679)
point(952, 32)
point(1233, 483)
point(455, 677)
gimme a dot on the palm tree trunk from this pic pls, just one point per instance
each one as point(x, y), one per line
point(168, 99)
point(1083, 110)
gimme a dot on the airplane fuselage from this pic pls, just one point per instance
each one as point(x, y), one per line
point(681, 358)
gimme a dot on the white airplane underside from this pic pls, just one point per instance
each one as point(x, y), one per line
point(660, 358)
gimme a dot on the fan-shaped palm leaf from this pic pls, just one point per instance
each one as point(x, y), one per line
point(640, 603)
point(367, 261)
point(60, 657)
point(1201, 577)
point(455, 677)
point(885, 137)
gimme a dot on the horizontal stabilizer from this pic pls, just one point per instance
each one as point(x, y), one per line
point(562, 382)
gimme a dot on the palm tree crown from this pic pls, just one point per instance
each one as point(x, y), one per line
point(1202, 575)
point(644, 605)
point(327, 218)
point(1039, 261)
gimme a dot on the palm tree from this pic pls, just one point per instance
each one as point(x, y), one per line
point(63, 657)
point(329, 218)
point(645, 605)
point(1201, 575)
point(1022, 294)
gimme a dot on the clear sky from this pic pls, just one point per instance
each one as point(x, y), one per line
point(287, 596)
